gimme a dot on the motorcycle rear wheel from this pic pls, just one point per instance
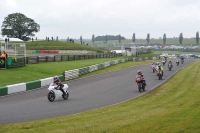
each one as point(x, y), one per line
point(65, 97)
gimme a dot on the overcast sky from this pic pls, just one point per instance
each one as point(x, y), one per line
point(73, 18)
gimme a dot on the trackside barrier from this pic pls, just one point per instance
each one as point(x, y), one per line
point(15, 88)
point(71, 74)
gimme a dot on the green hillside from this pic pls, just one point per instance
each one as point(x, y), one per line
point(58, 45)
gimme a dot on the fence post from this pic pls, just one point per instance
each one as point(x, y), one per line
point(54, 58)
point(27, 60)
point(37, 59)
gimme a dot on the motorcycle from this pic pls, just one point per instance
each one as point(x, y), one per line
point(182, 61)
point(177, 63)
point(153, 68)
point(56, 93)
point(170, 67)
point(160, 74)
point(163, 62)
point(141, 82)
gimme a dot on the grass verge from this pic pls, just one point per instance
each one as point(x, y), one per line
point(172, 107)
point(43, 70)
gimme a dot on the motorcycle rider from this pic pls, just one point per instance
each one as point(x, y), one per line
point(140, 75)
point(153, 65)
point(163, 61)
point(182, 58)
point(177, 59)
point(159, 68)
point(170, 62)
point(59, 84)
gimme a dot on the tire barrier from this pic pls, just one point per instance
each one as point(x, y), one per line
point(72, 74)
point(56, 58)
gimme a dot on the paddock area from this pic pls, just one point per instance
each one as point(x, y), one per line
point(16, 53)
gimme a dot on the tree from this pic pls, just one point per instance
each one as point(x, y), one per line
point(197, 37)
point(93, 39)
point(148, 38)
point(35, 38)
point(81, 39)
point(57, 38)
point(181, 38)
point(17, 25)
point(106, 39)
point(119, 38)
point(164, 38)
point(52, 38)
point(133, 38)
point(67, 39)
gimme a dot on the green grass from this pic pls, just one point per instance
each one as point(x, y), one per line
point(173, 107)
point(58, 45)
point(43, 70)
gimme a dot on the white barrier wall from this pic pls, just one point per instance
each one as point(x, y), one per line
point(16, 88)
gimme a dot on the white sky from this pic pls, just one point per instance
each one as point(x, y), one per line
point(73, 18)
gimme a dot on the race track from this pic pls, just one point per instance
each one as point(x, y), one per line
point(84, 94)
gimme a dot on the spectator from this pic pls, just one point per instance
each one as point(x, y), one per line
point(4, 55)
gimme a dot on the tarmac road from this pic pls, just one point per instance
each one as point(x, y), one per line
point(84, 94)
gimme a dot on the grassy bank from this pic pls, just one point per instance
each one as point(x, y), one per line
point(58, 45)
point(173, 107)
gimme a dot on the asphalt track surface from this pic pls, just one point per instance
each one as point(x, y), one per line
point(84, 94)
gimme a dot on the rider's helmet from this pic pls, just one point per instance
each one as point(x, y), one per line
point(157, 63)
point(139, 72)
point(153, 62)
point(55, 79)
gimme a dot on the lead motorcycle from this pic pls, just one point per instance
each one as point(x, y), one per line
point(141, 82)
point(57, 93)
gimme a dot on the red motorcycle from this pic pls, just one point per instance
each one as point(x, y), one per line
point(160, 74)
point(141, 82)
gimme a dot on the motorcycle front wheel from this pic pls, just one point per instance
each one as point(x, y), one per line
point(140, 87)
point(51, 96)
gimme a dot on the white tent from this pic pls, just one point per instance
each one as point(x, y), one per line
point(11, 40)
point(13, 47)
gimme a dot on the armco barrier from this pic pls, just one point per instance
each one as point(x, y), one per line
point(5, 90)
point(71, 74)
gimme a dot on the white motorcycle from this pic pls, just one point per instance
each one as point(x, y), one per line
point(56, 93)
